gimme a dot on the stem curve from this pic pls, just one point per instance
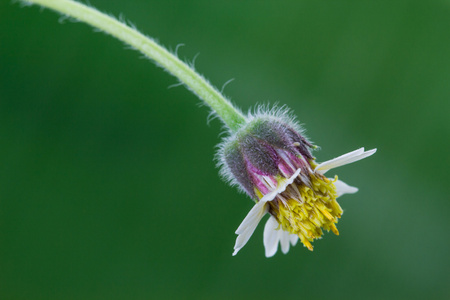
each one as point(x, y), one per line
point(195, 82)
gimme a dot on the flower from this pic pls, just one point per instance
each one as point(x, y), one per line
point(271, 161)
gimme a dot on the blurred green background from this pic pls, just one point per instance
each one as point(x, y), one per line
point(108, 189)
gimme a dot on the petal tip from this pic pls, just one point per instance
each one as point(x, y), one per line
point(372, 151)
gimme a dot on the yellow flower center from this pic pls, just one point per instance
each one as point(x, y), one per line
point(305, 209)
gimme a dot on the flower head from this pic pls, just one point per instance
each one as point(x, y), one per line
point(270, 159)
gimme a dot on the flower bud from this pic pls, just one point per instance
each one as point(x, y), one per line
point(263, 152)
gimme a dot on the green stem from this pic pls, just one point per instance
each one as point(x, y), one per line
point(230, 115)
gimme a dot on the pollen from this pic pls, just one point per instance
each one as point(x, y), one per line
point(304, 209)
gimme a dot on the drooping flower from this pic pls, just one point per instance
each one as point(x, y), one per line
point(270, 159)
point(266, 154)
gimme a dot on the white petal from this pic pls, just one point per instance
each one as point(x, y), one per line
point(271, 237)
point(248, 225)
point(284, 241)
point(270, 196)
point(343, 188)
point(294, 239)
point(251, 216)
point(344, 160)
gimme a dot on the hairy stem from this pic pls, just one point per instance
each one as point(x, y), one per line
point(230, 115)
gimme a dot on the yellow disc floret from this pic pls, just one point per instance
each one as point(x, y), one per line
point(304, 209)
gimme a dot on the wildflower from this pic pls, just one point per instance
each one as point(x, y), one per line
point(271, 161)
point(266, 155)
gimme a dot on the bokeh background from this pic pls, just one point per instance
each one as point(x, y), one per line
point(108, 188)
